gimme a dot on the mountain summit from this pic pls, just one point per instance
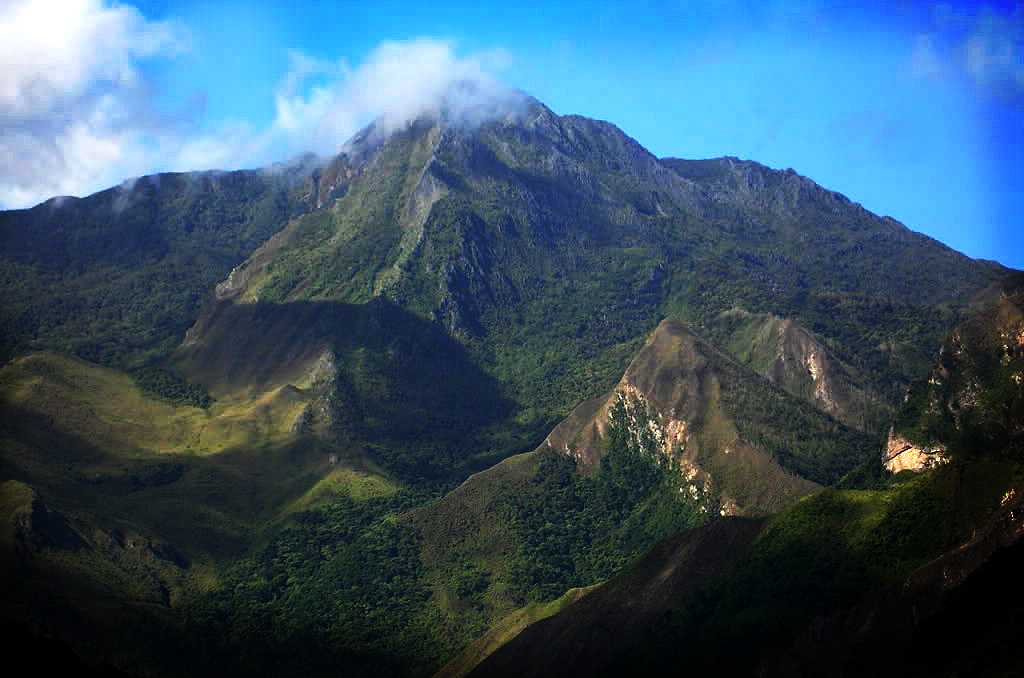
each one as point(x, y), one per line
point(546, 247)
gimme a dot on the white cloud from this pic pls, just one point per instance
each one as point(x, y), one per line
point(985, 46)
point(73, 104)
point(994, 51)
point(77, 115)
point(51, 53)
point(398, 82)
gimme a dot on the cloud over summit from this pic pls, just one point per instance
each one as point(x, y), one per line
point(78, 111)
point(397, 83)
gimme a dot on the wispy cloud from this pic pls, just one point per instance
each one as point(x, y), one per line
point(994, 54)
point(984, 45)
point(925, 61)
point(319, 104)
point(78, 115)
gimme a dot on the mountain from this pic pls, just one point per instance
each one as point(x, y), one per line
point(117, 277)
point(915, 576)
point(387, 402)
point(801, 363)
point(487, 232)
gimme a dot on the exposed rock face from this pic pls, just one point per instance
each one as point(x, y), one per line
point(796, 360)
point(902, 455)
point(678, 379)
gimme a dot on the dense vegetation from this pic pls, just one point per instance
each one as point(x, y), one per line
point(573, 530)
point(348, 578)
point(820, 557)
point(117, 277)
point(801, 439)
point(170, 385)
point(341, 587)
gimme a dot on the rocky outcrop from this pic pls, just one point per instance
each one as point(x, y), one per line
point(678, 380)
point(973, 399)
point(902, 455)
point(798, 361)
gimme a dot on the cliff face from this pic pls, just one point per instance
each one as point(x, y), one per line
point(973, 399)
point(902, 455)
point(699, 400)
point(799, 362)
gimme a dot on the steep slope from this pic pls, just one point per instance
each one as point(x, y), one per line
point(712, 424)
point(972, 400)
point(965, 421)
point(847, 582)
point(837, 584)
point(547, 247)
point(582, 641)
point(799, 362)
point(117, 277)
point(730, 433)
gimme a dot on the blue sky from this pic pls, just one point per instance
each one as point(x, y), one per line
point(914, 110)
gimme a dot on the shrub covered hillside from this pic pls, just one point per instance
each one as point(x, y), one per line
point(117, 277)
point(900, 574)
point(367, 412)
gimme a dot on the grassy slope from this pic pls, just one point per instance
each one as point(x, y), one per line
point(505, 630)
point(164, 497)
point(207, 480)
point(470, 529)
point(821, 556)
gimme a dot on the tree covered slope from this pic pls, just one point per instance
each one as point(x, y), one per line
point(455, 377)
